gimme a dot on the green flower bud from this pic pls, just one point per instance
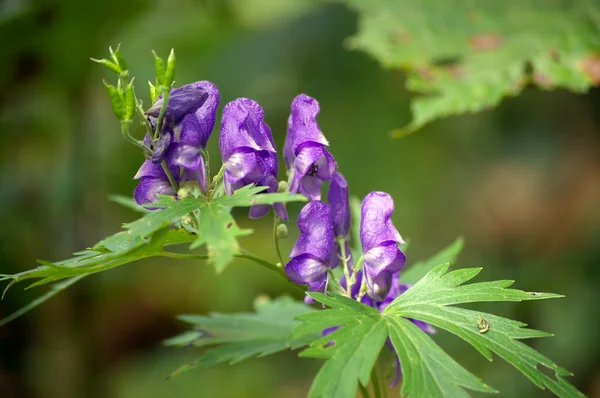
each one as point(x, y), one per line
point(170, 72)
point(187, 220)
point(118, 58)
point(159, 65)
point(185, 191)
point(129, 101)
point(283, 186)
point(281, 231)
point(110, 65)
point(154, 92)
point(117, 100)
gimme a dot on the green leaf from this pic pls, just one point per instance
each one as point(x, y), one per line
point(112, 252)
point(171, 210)
point(231, 338)
point(250, 196)
point(428, 371)
point(128, 202)
point(411, 274)
point(219, 232)
point(57, 288)
point(467, 56)
point(428, 300)
point(352, 357)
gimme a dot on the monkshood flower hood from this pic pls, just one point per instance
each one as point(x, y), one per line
point(189, 121)
point(248, 152)
point(304, 151)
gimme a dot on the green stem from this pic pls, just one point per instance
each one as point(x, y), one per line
point(375, 381)
point(140, 111)
point(276, 239)
point(258, 260)
point(169, 176)
point(363, 289)
point(166, 91)
point(342, 243)
point(336, 283)
point(357, 267)
point(215, 182)
point(364, 391)
point(125, 125)
point(384, 388)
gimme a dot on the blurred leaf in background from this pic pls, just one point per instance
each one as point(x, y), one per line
point(521, 183)
point(464, 56)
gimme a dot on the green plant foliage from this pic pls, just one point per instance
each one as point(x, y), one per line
point(412, 273)
point(217, 228)
point(150, 234)
point(463, 56)
point(231, 338)
point(428, 371)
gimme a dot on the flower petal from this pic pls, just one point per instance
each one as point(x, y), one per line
point(183, 155)
point(197, 174)
point(302, 126)
point(155, 170)
point(243, 128)
point(375, 225)
point(339, 204)
point(247, 166)
point(149, 187)
point(306, 269)
point(311, 187)
point(316, 232)
point(386, 257)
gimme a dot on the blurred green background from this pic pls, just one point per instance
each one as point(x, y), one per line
point(521, 183)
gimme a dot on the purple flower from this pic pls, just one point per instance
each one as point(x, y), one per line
point(340, 207)
point(248, 152)
point(188, 123)
point(312, 254)
point(153, 181)
point(304, 150)
point(379, 238)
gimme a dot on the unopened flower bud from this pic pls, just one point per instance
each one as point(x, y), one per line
point(159, 66)
point(118, 58)
point(154, 91)
point(187, 220)
point(185, 191)
point(117, 100)
point(283, 186)
point(129, 101)
point(281, 231)
point(110, 65)
point(170, 71)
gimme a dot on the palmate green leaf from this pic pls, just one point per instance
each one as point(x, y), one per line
point(119, 250)
point(218, 230)
point(427, 370)
point(147, 236)
point(251, 195)
point(464, 56)
point(231, 338)
point(428, 300)
point(412, 273)
point(128, 202)
point(357, 345)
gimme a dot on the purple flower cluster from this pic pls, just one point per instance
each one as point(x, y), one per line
point(246, 144)
point(250, 158)
point(189, 120)
point(324, 228)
